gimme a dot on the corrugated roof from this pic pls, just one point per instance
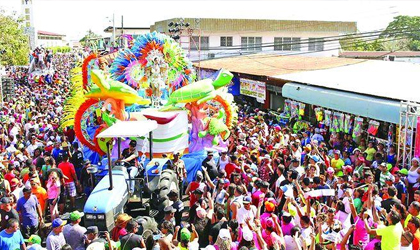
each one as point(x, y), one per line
point(378, 54)
point(392, 80)
point(46, 33)
point(272, 65)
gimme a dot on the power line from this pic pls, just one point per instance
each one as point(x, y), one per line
point(314, 40)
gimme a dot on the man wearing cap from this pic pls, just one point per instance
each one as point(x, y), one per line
point(11, 238)
point(129, 156)
point(74, 233)
point(55, 240)
point(385, 174)
point(247, 211)
point(177, 204)
point(188, 240)
point(337, 163)
point(169, 215)
point(30, 213)
point(34, 243)
point(7, 212)
point(179, 167)
point(210, 165)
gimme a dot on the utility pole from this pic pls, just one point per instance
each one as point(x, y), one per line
point(122, 39)
point(113, 29)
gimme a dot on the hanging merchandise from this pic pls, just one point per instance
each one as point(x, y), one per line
point(347, 123)
point(287, 107)
point(327, 119)
point(390, 135)
point(373, 127)
point(337, 121)
point(319, 114)
point(301, 110)
point(357, 130)
point(294, 110)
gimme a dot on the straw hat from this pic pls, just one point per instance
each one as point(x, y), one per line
point(122, 218)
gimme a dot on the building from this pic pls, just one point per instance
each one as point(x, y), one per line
point(132, 31)
point(397, 56)
point(380, 98)
point(27, 12)
point(50, 39)
point(208, 38)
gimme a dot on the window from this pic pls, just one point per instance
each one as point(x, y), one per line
point(251, 43)
point(316, 44)
point(204, 43)
point(27, 11)
point(287, 43)
point(226, 41)
point(28, 17)
point(296, 43)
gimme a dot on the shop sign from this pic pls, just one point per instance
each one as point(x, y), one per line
point(253, 88)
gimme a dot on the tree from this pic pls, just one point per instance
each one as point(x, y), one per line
point(90, 35)
point(355, 43)
point(13, 41)
point(405, 28)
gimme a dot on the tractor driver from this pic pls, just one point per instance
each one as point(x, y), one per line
point(129, 158)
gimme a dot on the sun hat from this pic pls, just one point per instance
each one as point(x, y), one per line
point(403, 171)
point(122, 218)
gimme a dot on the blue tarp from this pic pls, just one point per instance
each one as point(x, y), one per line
point(193, 163)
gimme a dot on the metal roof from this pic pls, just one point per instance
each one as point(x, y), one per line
point(273, 65)
point(47, 33)
point(378, 54)
point(392, 80)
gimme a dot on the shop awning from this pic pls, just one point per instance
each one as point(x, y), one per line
point(125, 129)
point(362, 105)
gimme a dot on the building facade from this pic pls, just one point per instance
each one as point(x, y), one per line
point(48, 39)
point(209, 38)
point(29, 27)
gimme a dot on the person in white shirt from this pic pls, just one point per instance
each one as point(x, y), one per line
point(247, 211)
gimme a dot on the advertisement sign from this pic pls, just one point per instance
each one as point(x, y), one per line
point(253, 88)
point(417, 145)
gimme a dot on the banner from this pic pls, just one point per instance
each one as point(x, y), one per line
point(417, 145)
point(253, 88)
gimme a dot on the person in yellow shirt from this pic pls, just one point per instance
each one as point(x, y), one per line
point(391, 234)
point(413, 211)
point(370, 154)
point(337, 163)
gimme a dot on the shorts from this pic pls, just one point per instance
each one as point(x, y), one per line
point(71, 189)
point(50, 201)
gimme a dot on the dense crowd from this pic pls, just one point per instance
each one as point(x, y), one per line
point(275, 187)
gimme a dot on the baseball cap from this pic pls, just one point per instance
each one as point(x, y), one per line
point(210, 153)
point(247, 200)
point(337, 151)
point(26, 190)
point(5, 200)
point(75, 215)
point(330, 170)
point(34, 239)
point(169, 209)
point(133, 143)
point(315, 158)
point(58, 223)
point(92, 230)
point(269, 206)
point(403, 171)
point(185, 235)
point(14, 182)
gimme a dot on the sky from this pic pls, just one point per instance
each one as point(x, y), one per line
point(75, 17)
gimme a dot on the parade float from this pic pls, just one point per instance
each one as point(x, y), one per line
point(152, 80)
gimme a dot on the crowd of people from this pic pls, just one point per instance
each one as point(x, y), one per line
point(273, 188)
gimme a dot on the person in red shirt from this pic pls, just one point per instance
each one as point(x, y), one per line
point(10, 175)
point(70, 178)
point(414, 227)
point(232, 167)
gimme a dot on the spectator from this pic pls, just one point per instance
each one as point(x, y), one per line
point(11, 238)
point(55, 239)
point(30, 213)
point(74, 233)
